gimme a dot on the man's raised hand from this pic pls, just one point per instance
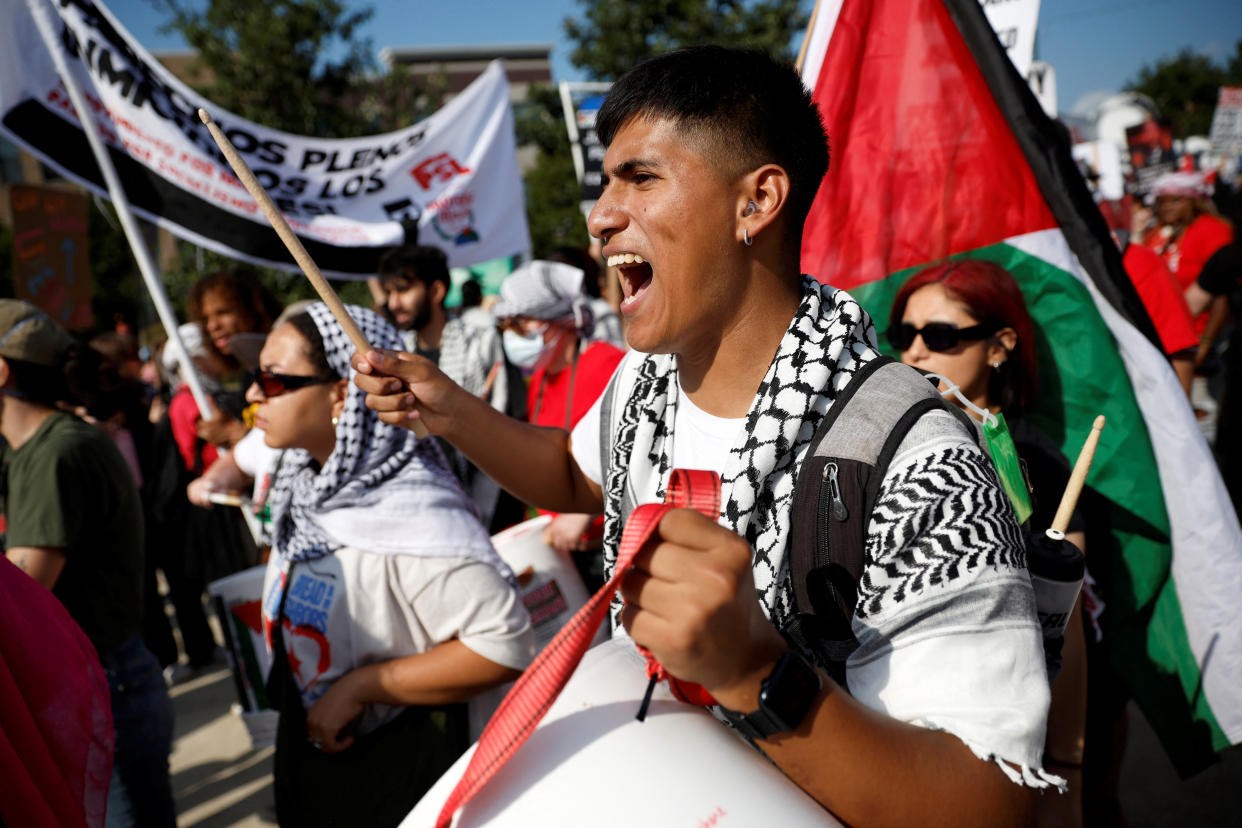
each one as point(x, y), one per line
point(404, 388)
point(691, 600)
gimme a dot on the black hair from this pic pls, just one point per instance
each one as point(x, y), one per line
point(116, 346)
point(115, 393)
point(582, 259)
point(744, 107)
point(75, 379)
point(424, 263)
point(471, 293)
point(314, 351)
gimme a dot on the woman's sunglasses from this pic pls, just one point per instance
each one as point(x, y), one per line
point(937, 336)
point(273, 385)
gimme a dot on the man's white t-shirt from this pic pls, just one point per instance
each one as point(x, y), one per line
point(699, 440)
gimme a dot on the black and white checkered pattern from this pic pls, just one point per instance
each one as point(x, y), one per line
point(830, 337)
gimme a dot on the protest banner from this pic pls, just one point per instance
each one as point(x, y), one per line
point(453, 176)
point(41, 19)
point(1226, 131)
point(909, 186)
point(580, 101)
point(1100, 162)
point(50, 264)
point(1151, 154)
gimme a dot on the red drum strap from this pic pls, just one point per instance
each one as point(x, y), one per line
point(537, 688)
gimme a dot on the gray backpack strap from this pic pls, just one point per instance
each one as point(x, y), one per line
point(837, 486)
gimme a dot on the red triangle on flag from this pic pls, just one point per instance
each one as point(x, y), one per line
point(924, 164)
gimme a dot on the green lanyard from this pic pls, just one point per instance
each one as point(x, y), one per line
point(1000, 446)
point(1008, 466)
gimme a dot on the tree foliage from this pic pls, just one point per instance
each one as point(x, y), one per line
point(552, 193)
point(611, 37)
point(267, 61)
point(1185, 87)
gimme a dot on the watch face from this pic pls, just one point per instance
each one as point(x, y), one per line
point(789, 691)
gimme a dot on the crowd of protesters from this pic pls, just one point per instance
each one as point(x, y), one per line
point(113, 477)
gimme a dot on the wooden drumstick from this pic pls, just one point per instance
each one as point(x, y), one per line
point(1077, 479)
point(293, 243)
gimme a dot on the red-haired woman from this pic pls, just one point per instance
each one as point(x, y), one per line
point(967, 321)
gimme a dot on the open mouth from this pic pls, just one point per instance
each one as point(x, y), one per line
point(635, 276)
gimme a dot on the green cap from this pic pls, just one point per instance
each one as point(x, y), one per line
point(30, 335)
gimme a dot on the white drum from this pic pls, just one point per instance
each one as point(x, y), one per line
point(551, 589)
point(591, 763)
point(238, 599)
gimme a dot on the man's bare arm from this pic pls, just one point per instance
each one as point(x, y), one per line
point(532, 463)
point(691, 600)
point(43, 563)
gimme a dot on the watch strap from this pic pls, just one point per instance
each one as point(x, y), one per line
point(785, 696)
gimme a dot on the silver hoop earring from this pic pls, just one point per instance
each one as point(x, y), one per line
point(746, 239)
point(996, 365)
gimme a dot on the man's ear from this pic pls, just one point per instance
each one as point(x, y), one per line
point(764, 198)
point(439, 290)
point(5, 373)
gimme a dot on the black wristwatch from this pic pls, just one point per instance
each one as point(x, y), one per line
point(785, 696)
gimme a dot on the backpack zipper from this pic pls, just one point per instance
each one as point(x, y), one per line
point(830, 507)
point(834, 491)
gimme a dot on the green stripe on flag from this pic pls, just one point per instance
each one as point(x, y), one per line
point(1081, 375)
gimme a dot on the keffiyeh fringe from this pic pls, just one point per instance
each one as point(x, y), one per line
point(1023, 774)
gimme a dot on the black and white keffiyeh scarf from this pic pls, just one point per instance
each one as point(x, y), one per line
point(829, 338)
point(382, 490)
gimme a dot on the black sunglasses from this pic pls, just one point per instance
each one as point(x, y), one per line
point(273, 385)
point(937, 336)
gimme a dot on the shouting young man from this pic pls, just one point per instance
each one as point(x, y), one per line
point(713, 159)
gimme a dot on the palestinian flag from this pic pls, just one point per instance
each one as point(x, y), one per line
point(940, 150)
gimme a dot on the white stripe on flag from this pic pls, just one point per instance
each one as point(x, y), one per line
point(824, 22)
point(1207, 541)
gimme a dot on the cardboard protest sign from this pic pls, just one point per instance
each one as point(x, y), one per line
point(50, 264)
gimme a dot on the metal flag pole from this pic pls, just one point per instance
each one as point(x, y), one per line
point(150, 276)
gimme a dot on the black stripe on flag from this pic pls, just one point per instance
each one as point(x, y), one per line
point(1047, 152)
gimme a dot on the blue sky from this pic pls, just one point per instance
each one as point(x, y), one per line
point(1093, 45)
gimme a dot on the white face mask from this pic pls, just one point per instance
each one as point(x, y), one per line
point(524, 351)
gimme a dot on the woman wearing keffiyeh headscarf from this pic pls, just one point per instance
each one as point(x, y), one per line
point(384, 602)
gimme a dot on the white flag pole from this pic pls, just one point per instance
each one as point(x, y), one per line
point(40, 12)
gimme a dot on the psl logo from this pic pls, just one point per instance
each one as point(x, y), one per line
point(442, 167)
point(454, 218)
